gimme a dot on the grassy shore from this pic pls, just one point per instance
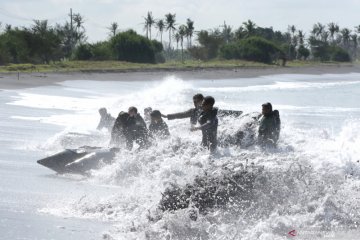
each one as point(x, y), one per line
point(117, 66)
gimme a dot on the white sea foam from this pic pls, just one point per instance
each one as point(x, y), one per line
point(311, 183)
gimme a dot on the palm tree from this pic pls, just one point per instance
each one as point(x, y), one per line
point(318, 29)
point(292, 29)
point(78, 20)
point(345, 33)
point(160, 25)
point(240, 33)
point(357, 29)
point(8, 27)
point(354, 40)
point(227, 33)
point(79, 35)
point(113, 28)
point(182, 34)
point(333, 28)
point(325, 36)
point(301, 35)
point(170, 25)
point(250, 27)
point(149, 22)
point(189, 30)
point(177, 39)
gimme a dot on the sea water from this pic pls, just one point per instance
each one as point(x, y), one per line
point(310, 186)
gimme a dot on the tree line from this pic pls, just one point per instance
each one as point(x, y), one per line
point(43, 43)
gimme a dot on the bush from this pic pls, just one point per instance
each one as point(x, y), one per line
point(131, 47)
point(230, 51)
point(339, 55)
point(199, 53)
point(102, 51)
point(303, 52)
point(83, 52)
point(253, 49)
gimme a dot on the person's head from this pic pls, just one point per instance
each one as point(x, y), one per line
point(147, 111)
point(155, 116)
point(208, 103)
point(266, 108)
point(102, 111)
point(132, 111)
point(198, 99)
point(123, 117)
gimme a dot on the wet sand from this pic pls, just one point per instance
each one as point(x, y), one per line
point(29, 80)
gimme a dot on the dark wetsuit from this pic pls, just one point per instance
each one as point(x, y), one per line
point(129, 130)
point(159, 129)
point(106, 121)
point(192, 113)
point(122, 131)
point(209, 123)
point(269, 129)
point(139, 120)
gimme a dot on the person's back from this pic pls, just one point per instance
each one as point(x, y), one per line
point(106, 120)
point(269, 127)
point(122, 131)
point(208, 124)
point(157, 127)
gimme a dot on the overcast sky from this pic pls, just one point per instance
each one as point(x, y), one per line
point(206, 14)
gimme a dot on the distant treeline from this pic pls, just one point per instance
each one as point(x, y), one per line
point(42, 43)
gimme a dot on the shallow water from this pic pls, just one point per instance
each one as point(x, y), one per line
point(311, 184)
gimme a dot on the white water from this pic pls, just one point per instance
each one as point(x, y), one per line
point(311, 184)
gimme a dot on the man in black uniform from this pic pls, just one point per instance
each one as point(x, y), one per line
point(133, 112)
point(106, 120)
point(192, 113)
point(127, 130)
point(122, 131)
point(269, 126)
point(157, 127)
point(208, 124)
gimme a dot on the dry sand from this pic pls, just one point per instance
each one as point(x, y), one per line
point(29, 80)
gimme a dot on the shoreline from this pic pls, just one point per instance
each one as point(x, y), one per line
point(9, 81)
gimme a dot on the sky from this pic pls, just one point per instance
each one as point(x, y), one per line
point(206, 14)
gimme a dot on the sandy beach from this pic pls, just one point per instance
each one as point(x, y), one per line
point(29, 80)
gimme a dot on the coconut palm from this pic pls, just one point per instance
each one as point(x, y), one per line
point(301, 36)
point(357, 29)
point(189, 30)
point(292, 29)
point(78, 20)
point(318, 29)
point(182, 33)
point(177, 39)
point(149, 22)
point(8, 27)
point(345, 34)
point(160, 25)
point(354, 40)
point(249, 27)
point(113, 29)
point(79, 34)
point(333, 28)
point(227, 33)
point(170, 25)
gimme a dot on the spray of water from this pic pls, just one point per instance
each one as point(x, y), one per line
point(310, 183)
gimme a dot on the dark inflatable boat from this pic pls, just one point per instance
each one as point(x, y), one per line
point(79, 160)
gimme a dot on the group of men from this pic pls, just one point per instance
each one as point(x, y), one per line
point(130, 127)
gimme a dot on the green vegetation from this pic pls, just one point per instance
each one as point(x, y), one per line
point(42, 47)
point(252, 49)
